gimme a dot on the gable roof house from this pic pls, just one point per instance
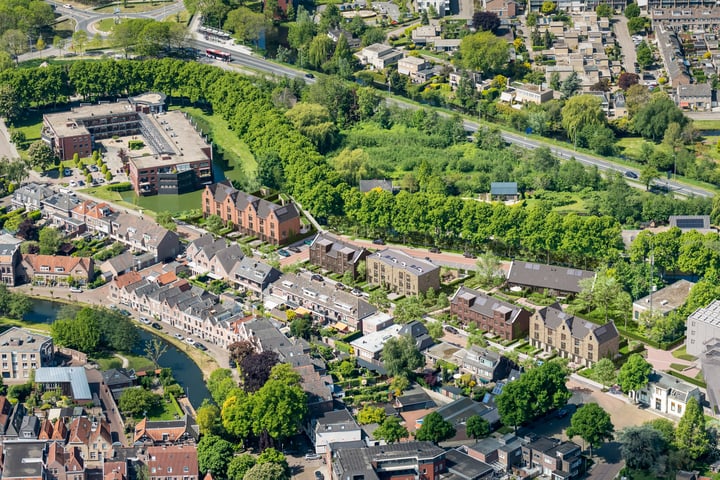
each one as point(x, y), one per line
point(146, 236)
point(582, 342)
point(30, 196)
point(177, 462)
point(96, 216)
point(52, 270)
point(485, 365)
point(92, 438)
point(336, 255)
point(253, 276)
point(331, 427)
point(490, 314)
point(201, 251)
point(553, 279)
point(504, 191)
point(167, 432)
point(118, 380)
point(667, 394)
point(9, 262)
point(251, 215)
point(62, 465)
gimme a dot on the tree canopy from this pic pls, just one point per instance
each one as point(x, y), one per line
point(591, 423)
point(634, 373)
point(692, 436)
point(484, 52)
point(400, 356)
point(435, 429)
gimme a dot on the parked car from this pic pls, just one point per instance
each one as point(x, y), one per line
point(451, 329)
point(312, 456)
point(294, 249)
point(73, 184)
point(283, 253)
point(93, 168)
point(67, 172)
point(189, 341)
point(319, 475)
point(156, 326)
point(317, 278)
point(145, 320)
point(76, 289)
point(200, 347)
point(178, 336)
point(340, 286)
point(356, 292)
point(568, 409)
point(231, 363)
point(434, 250)
point(80, 183)
point(379, 241)
point(125, 313)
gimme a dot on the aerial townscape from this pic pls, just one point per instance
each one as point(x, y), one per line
point(359, 240)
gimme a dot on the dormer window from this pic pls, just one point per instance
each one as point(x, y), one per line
point(59, 269)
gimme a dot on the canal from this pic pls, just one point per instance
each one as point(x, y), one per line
point(187, 374)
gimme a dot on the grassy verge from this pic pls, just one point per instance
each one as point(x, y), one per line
point(180, 17)
point(136, 362)
point(682, 354)
point(132, 7)
point(105, 25)
point(707, 124)
point(235, 150)
point(6, 323)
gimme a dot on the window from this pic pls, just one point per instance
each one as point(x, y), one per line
point(59, 269)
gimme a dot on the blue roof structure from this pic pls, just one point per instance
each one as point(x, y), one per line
point(503, 188)
point(75, 376)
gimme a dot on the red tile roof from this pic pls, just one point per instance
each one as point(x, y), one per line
point(126, 279)
point(173, 461)
point(69, 264)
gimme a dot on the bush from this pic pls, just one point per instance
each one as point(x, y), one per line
point(135, 144)
point(120, 187)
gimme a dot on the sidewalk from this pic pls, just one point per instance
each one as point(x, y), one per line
point(7, 148)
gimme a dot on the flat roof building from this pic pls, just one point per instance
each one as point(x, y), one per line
point(402, 273)
point(703, 326)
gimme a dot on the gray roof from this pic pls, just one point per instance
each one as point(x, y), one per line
point(458, 411)
point(503, 188)
point(152, 234)
point(21, 340)
point(367, 185)
point(75, 376)
point(121, 263)
point(262, 207)
point(485, 304)
point(336, 420)
point(116, 376)
point(254, 270)
point(62, 201)
point(547, 276)
point(34, 191)
point(710, 361)
point(352, 462)
point(465, 466)
point(399, 259)
point(694, 90)
point(23, 459)
point(229, 256)
point(676, 388)
point(553, 316)
point(338, 246)
point(486, 445)
point(690, 222)
point(669, 298)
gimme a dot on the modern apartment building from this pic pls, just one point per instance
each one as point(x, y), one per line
point(401, 273)
point(490, 314)
point(582, 342)
point(251, 215)
point(22, 352)
point(703, 327)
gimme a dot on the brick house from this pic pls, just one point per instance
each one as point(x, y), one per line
point(490, 314)
point(333, 254)
point(251, 215)
point(582, 342)
point(179, 462)
point(52, 270)
point(402, 273)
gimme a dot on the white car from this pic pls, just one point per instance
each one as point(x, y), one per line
point(67, 5)
point(145, 320)
point(189, 341)
point(73, 184)
point(179, 337)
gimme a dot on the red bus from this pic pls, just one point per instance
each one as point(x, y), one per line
point(217, 54)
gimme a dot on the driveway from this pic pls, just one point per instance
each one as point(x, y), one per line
point(622, 35)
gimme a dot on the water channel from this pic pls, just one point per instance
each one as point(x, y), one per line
point(187, 374)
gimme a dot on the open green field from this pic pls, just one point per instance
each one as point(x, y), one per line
point(707, 124)
point(105, 25)
point(235, 150)
point(136, 362)
point(160, 203)
point(135, 7)
point(180, 17)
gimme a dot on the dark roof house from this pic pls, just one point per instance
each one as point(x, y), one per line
point(556, 279)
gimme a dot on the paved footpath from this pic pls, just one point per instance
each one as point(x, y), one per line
point(7, 148)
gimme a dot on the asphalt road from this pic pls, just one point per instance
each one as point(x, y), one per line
point(84, 18)
point(622, 34)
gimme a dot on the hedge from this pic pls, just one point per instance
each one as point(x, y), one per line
point(691, 380)
point(120, 187)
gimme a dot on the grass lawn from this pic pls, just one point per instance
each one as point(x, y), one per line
point(65, 28)
point(133, 7)
point(235, 149)
point(30, 124)
point(180, 17)
point(707, 124)
point(164, 411)
point(6, 323)
point(136, 362)
point(682, 354)
point(160, 203)
point(630, 146)
point(105, 25)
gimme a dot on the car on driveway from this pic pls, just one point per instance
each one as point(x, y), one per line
point(178, 336)
point(283, 253)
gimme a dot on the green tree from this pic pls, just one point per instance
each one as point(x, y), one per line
point(266, 471)
point(691, 435)
point(214, 223)
point(570, 85)
point(14, 42)
point(301, 327)
point(604, 372)
point(605, 293)
point(280, 405)
point(313, 121)
point(604, 10)
point(642, 447)
point(246, 25)
point(435, 429)
point(489, 271)
point(408, 309)
point(477, 427)
point(632, 10)
point(220, 383)
point(165, 219)
point(214, 454)
point(633, 375)
point(207, 417)
point(370, 414)
point(79, 41)
point(401, 357)
point(484, 52)
point(391, 430)
point(50, 241)
point(652, 119)
point(579, 112)
point(639, 24)
point(592, 424)
point(236, 413)
point(40, 155)
point(665, 427)
point(239, 465)
point(137, 401)
point(645, 56)
point(548, 7)
point(10, 102)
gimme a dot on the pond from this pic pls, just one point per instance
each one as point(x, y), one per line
point(187, 374)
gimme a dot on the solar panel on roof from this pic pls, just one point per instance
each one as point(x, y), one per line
point(690, 223)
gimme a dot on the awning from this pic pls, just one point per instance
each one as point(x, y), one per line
point(214, 276)
point(341, 327)
point(302, 311)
